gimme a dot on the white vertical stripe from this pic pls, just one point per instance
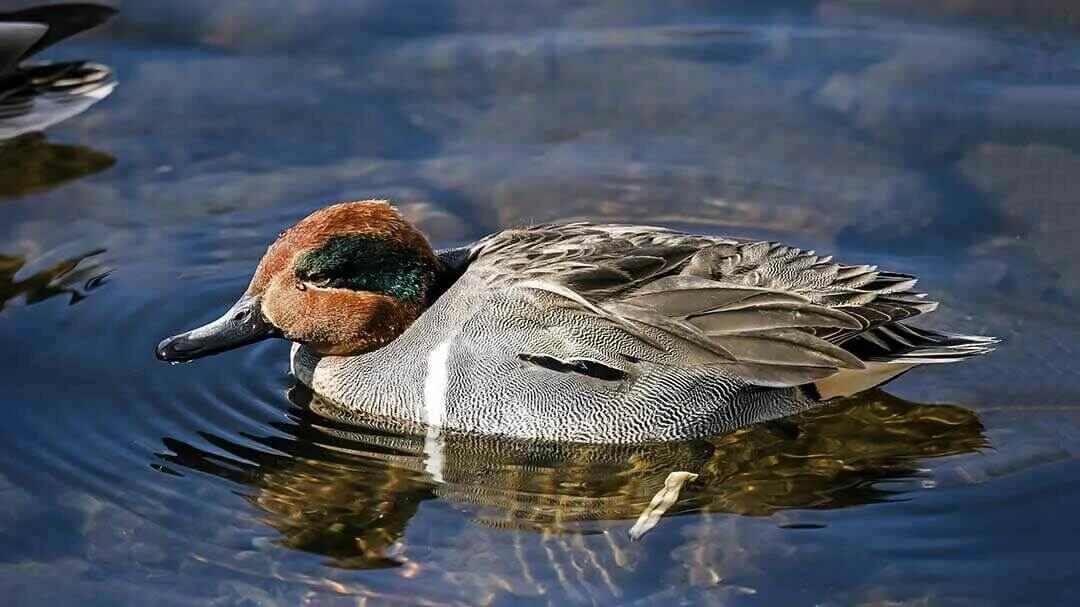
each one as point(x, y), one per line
point(435, 386)
point(438, 375)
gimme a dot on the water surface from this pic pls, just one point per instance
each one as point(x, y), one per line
point(942, 143)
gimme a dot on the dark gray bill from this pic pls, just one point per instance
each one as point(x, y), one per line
point(243, 324)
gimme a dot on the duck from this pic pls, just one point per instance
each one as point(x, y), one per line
point(35, 95)
point(575, 332)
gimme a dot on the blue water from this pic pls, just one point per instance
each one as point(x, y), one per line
point(939, 140)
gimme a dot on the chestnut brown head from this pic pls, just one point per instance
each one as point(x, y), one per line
point(344, 280)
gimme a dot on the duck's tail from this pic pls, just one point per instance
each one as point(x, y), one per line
point(32, 29)
point(891, 350)
point(33, 94)
point(900, 343)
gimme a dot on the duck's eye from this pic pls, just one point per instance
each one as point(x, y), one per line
point(317, 279)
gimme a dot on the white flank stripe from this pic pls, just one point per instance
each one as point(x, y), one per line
point(433, 449)
point(435, 385)
point(438, 375)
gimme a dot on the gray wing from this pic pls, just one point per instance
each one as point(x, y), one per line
point(16, 40)
point(773, 315)
point(60, 21)
point(70, 87)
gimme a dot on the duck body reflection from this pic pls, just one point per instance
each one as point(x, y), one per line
point(349, 490)
point(74, 277)
point(35, 95)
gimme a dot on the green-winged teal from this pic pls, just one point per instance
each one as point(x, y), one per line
point(578, 331)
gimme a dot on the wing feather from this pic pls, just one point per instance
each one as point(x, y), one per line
point(772, 314)
point(16, 40)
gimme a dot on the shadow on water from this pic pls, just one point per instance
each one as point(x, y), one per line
point(30, 164)
point(348, 491)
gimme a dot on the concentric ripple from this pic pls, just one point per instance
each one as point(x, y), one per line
point(226, 468)
point(940, 146)
point(233, 467)
point(226, 473)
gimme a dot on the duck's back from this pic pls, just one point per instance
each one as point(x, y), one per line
point(612, 333)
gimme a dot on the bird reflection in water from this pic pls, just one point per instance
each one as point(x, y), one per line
point(75, 277)
point(31, 164)
point(35, 95)
point(348, 490)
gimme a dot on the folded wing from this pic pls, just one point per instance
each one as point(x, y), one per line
point(774, 315)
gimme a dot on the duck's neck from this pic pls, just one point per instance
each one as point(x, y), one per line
point(450, 264)
point(379, 381)
point(395, 379)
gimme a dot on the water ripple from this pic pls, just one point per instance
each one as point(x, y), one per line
point(227, 462)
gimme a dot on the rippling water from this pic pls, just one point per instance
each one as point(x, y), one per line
point(943, 142)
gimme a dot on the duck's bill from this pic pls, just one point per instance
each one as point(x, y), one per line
point(243, 324)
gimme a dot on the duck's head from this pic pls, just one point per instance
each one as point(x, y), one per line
point(344, 280)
